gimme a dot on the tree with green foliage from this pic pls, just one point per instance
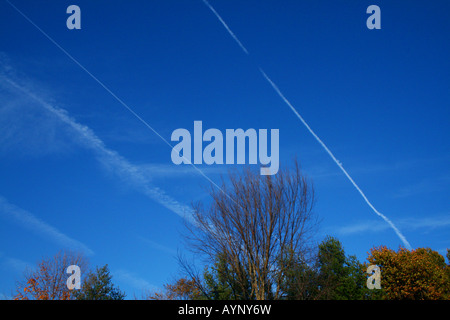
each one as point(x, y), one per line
point(331, 269)
point(300, 280)
point(98, 286)
point(220, 282)
point(328, 275)
point(341, 277)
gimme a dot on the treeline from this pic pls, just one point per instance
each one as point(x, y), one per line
point(257, 238)
point(420, 274)
point(49, 281)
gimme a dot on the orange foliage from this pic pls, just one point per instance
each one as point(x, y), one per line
point(48, 281)
point(182, 289)
point(419, 274)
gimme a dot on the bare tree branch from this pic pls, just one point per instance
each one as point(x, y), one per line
point(260, 224)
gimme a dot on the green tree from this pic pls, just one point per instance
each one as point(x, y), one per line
point(447, 269)
point(98, 286)
point(300, 280)
point(220, 282)
point(325, 274)
point(331, 266)
point(355, 285)
point(341, 277)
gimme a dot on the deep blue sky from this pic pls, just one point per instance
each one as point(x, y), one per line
point(379, 99)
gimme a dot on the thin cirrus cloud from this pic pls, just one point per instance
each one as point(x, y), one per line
point(134, 281)
point(157, 246)
point(26, 131)
point(112, 160)
point(36, 225)
point(13, 264)
point(424, 224)
point(425, 186)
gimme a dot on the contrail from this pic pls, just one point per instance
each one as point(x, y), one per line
point(33, 223)
point(226, 27)
point(286, 101)
point(120, 100)
point(107, 157)
point(397, 231)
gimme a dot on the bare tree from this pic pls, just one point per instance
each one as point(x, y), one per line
point(260, 224)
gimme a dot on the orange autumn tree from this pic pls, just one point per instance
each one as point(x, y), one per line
point(49, 280)
point(181, 289)
point(419, 274)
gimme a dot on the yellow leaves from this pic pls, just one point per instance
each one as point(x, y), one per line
point(412, 274)
point(181, 289)
point(48, 280)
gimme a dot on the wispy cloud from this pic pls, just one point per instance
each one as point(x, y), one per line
point(26, 131)
point(128, 172)
point(160, 170)
point(423, 187)
point(119, 100)
point(5, 297)
point(157, 246)
point(409, 224)
point(427, 223)
point(38, 226)
point(365, 167)
point(133, 281)
point(17, 265)
point(360, 227)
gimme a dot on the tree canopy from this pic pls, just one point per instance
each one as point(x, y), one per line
point(419, 274)
point(48, 281)
point(99, 286)
point(255, 227)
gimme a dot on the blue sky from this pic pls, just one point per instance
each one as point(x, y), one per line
point(79, 171)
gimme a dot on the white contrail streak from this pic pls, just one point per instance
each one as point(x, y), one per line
point(397, 231)
point(226, 26)
point(35, 224)
point(109, 158)
point(116, 97)
point(286, 101)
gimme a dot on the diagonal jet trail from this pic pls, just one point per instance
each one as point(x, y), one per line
point(107, 157)
point(226, 27)
point(286, 101)
point(126, 106)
